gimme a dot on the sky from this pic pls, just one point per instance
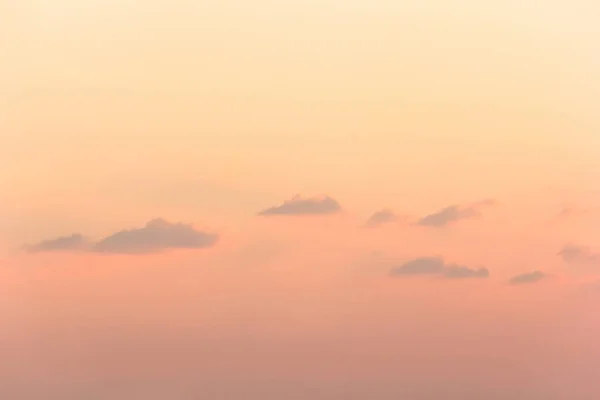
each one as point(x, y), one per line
point(299, 199)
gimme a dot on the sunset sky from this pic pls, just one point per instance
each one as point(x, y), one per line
point(293, 200)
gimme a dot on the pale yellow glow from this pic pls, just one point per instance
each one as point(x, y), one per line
point(373, 102)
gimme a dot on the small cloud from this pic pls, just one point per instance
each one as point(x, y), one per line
point(446, 216)
point(571, 210)
point(485, 202)
point(157, 235)
point(420, 266)
point(530, 277)
point(454, 213)
point(74, 242)
point(460, 272)
point(304, 206)
point(577, 254)
point(437, 266)
point(567, 211)
point(381, 217)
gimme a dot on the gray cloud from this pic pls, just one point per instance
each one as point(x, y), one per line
point(304, 206)
point(381, 217)
point(446, 216)
point(571, 210)
point(420, 266)
point(530, 277)
point(156, 235)
point(73, 242)
point(437, 266)
point(568, 211)
point(461, 272)
point(573, 254)
point(453, 213)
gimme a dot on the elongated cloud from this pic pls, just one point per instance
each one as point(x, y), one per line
point(381, 217)
point(420, 266)
point(304, 206)
point(573, 254)
point(157, 235)
point(527, 278)
point(571, 210)
point(74, 242)
point(461, 272)
point(453, 213)
point(437, 266)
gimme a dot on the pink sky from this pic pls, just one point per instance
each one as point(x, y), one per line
point(159, 132)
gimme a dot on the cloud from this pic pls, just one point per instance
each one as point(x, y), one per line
point(381, 217)
point(571, 210)
point(74, 242)
point(437, 266)
point(420, 266)
point(453, 213)
point(446, 216)
point(573, 254)
point(461, 272)
point(567, 211)
point(530, 277)
point(304, 206)
point(157, 235)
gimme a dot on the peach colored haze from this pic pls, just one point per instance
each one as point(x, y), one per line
point(293, 200)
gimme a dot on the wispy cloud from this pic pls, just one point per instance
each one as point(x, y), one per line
point(299, 205)
point(528, 278)
point(461, 272)
point(381, 217)
point(572, 210)
point(437, 266)
point(157, 235)
point(574, 254)
point(453, 213)
point(74, 242)
point(420, 266)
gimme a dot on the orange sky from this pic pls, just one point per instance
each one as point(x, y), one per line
point(114, 113)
